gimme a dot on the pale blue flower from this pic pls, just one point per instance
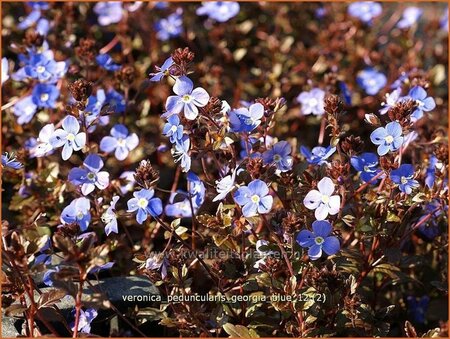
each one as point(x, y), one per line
point(388, 138)
point(319, 240)
point(322, 200)
point(254, 198)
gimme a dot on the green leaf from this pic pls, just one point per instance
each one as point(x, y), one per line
point(239, 331)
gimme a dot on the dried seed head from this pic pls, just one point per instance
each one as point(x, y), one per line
point(333, 105)
point(126, 75)
point(81, 89)
point(254, 167)
point(213, 107)
point(86, 51)
point(352, 145)
point(291, 223)
point(402, 111)
point(182, 57)
point(146, 176)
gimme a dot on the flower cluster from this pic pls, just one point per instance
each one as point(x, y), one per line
point(315, 159)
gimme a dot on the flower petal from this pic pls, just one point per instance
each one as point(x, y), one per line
point(200, 96)
point(258, 187)
point(321, 228)
point(312, 199)
point(71, 124)
point(108, 144)
point(321, 212)
point(305, 238)
point(315, 252)
point(183, 85)
point(331, 245)
point(326, 186)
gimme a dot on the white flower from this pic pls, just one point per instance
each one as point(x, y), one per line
point(262, 253)
point(322, 200)
point(225, 185)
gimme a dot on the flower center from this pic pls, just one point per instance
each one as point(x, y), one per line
point(366, 168)
point(40, 69)
point(319, 240)
point(277, 158)
point(389, 139)
point(44, 97)
point(186, 98)
point(255, 198)
point(420, 103)
point(70, 137)
point(313, 102)
point(142, 203)
point(173, 129)
point(248, 121)
point(91, 176)
point(325, 199)
point(121, 142)
point(80, 215)
point(403, 180)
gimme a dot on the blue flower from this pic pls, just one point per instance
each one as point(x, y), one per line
point(45, 95)
point(105, 61)
point(115, 100)
point(94, 107)
point(180, 202)
point(430, 174)
point(319, 240)
point(318, 155)
point(144, 203)
point(322, 200)
point(109, 12)
point(366, 164)
point(219, 10)
point(85, 320)
point(254, 198)
point(418, 308)
point(410, 16)
point(43, 67)
point(162, 71)
point(47, 279)
point(96, 102)
point(391, 100)
point(181, 153)
point(280, 155)
point(196, 189)
point(225, 186)
point(371, 80)
point(403, 177)
point(312, 101)
point(90, 175)
point(68, 137)
point(169, 27)
point(25, 109)
point(77, 212)
point(109, 217)
point(246, 119)
point(30, 19)
point(43, 146)
point(38, 5)
point(387, 138)
point(120, 141)
point(9, 160)
point(346, 94)
point(424, 103)
point(173, 129)
point(365, 10)
point(179, 206)
point(187, 99)
point(430, 228)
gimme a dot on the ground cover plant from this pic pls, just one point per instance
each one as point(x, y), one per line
point(225, 169)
